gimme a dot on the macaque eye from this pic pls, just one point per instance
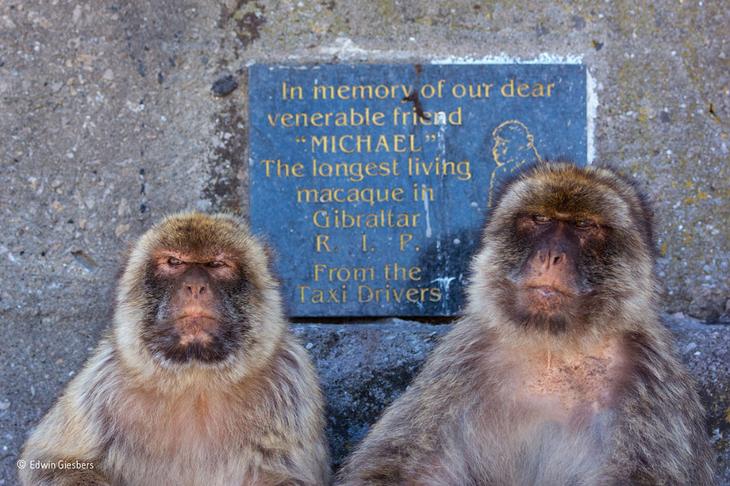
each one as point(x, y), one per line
point(215, 264)
point(540, 219)
point(172, 261)
point(584, 224)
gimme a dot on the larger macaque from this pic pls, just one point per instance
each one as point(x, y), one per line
point(199, 381)
point(560, 372)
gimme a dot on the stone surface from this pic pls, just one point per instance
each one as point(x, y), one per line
point(363, 367)
point(372, 182)
point(224, 85)
point(706, 351)
point(109, 122)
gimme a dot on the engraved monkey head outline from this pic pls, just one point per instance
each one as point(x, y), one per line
point(513, 144)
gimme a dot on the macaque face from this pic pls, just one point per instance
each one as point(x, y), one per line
point(564, 246)
point(198, 305)
point(558, 269)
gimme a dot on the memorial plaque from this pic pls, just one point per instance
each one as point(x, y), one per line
point(373, 182)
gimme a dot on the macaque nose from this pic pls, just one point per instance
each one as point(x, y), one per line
point(195, 289)
point(551, 257)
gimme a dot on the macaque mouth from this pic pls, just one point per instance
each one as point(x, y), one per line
point(547, 299)
point(195, 326)
point(550, 291)
point(196, 315)
point(195, 312)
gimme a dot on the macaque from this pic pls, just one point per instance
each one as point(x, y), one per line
point(559, 372)
point(198, 382)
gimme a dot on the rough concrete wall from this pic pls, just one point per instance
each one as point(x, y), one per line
point(109, 122)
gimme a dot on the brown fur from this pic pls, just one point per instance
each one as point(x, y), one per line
point(600, 400)
point(253, 418)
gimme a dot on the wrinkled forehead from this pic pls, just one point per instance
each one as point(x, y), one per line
point(575, 196)
point(198, 237)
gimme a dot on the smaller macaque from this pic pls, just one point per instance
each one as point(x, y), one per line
point(198, 382)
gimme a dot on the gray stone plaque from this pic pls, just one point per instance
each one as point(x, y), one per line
point(372, 182)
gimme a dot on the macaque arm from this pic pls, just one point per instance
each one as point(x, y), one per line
point(63, 438)
point(385, 458)
point(301, 465)
point(663, 404)
point(283, 478)
point(65, 448)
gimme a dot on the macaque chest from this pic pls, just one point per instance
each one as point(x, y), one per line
point(576, 389)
